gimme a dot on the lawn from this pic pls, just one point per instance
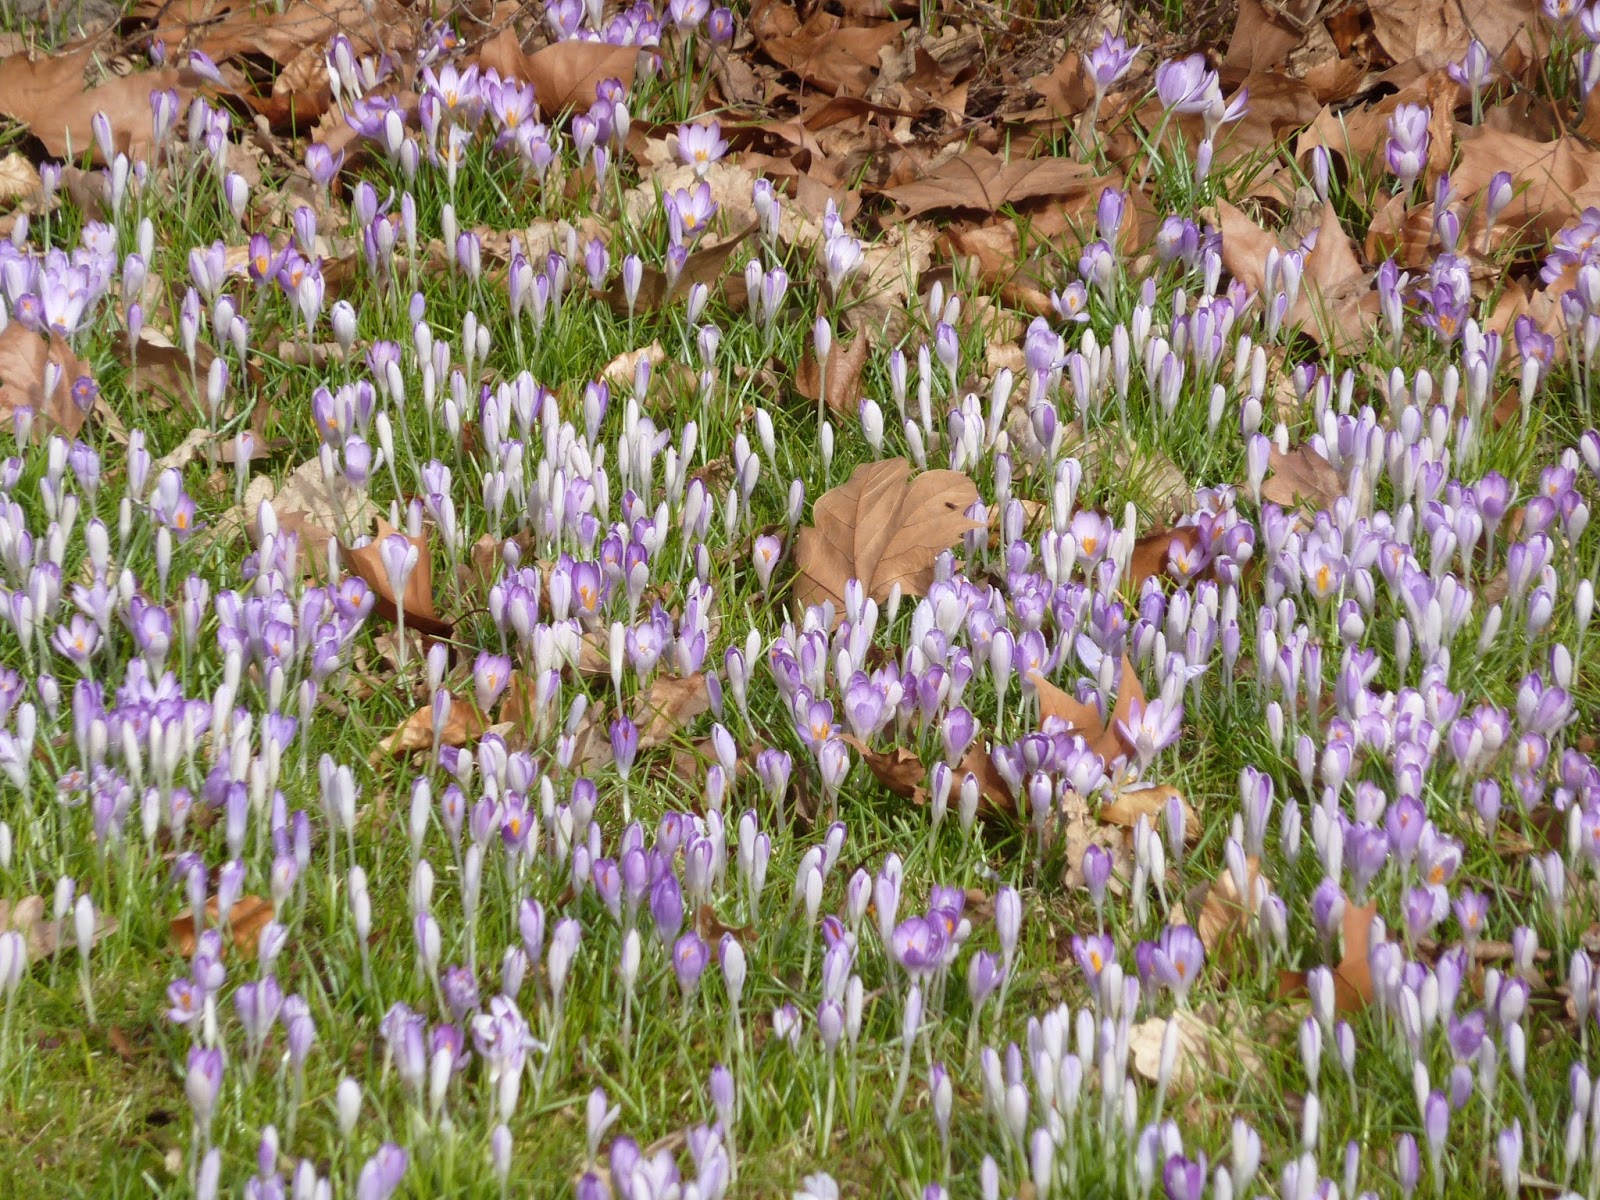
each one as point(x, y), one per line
point(875, 600)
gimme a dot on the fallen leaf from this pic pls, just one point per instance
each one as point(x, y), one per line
point(1222, 910)
point(1151, 553)
point(1221, 1047)
point(712, 930)
point(1103, 737)
point(670, 704)
point(25, 359)
point(845, 364)
point(1352, 978)
point(898, 769)
point(704, 265)
point(119, 1042)
point(1260, 42)
point(882, 528)
point(367, 562)
point(1438, 33)
point(19, 179)
point(44, 936)
point(983, 181)
point(995, 796)
point(49, 97)
point(836, 59)
point(248, 916)
point(1148, 801)
point(622, 370)
point(1301, 477)
point(465, 724)
point(319, 509)
point(564, 74)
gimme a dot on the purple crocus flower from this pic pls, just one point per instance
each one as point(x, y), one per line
point(381, 1175)
point(624, 744)
point(1407, 149)
point(1179, 955)
point(689, 957)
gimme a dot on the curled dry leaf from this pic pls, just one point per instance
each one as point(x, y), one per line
point(1103, 737)
point(883, 528)
point(898, 769)
point(246, 919)
point(622, 370)
point(994, 796)
point(669, 705)
point(317, 508)
point(1329, 306)
point(1222, 1047)
point(1438, 33)
point(712, 930)
point(982, 181)
point(1221, 909)
point(1153, 551)
point(465, 724)
point(1301, 477)
point(1149, 801)
point(564, 74)
point(26, 360)
point(1352, 977)
point(44, 936)
point(49, 97)
point(367, 562)
point(845, 364)
point(656, 290)
point(838, 60)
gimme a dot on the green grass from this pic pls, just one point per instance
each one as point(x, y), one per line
point(100, 1110)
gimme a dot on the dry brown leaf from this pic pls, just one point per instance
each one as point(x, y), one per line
point(983, 181)
point(564, 74)
point(1261, 41)
point(1222, 909)
point(1329, 306)
point(883, 528)
point(319, 510)
point(43, 936)
point(1301, 477)
point(838, 60)
point(622, 370)
point(1103, 737)
point(1148, 801)
point(712, 930)
point(1066, 89)
point(671, 704)
point(845, 364)
point(995, 798)
point(704, 265)
point(1151, 552)
point(25, 359)
point(49, 97)
point(1438, 33)
point(1216, 1046)
point(464, 724)
point(19, 180)
point(248, 916)
point(367, 562)
point(898, 769)
point(1352, 978)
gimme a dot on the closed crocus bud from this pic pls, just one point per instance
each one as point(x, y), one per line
point(83, 928)
point(731, 957)
point(500, 1155)
point(209, 1177)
